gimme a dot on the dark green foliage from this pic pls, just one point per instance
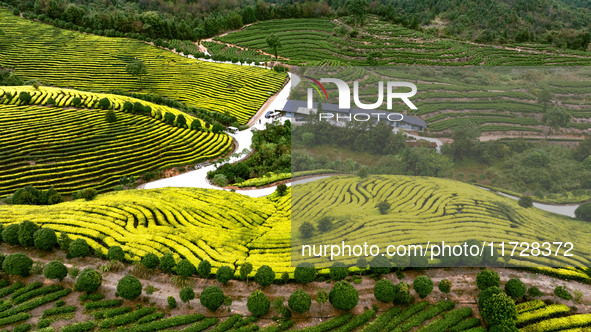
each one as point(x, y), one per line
point(43, 323)
point(76, 102)
point(299, 301)
point(25, 97)
point(127, 107)
point(167, 323)
point(212, 298)
point(384, 207)
point(181, 121)
point(281, 189)
point(185, 268)
point(444, 286)
point(129, 287)
point(338, 271)
point(79, 248)
point(167, 263)
point(26, 233)
point(534, 292)
point(224, 274)
point(111, 116)
point(59, 310)
point(45, 239)
point(487, 278)
point(526, 201)
point(499, 309)
point(17, 264)
point(264, 276)
point(559, 291)
point(187, 294)
point(384, 290)
point(245, 270)
point(88, 194)
point(258, 303)
point(486, 294)
point(64, 241)
point(306, 229)
point(22, 328)
point(169, 118)
point(402, 293)
point(79, 327)
point(10, 234)
point(55, 270)
point(423, 285)
point(343, 296)
point(104, 104)
point(150, 261)
point(88, 281)
point(305, 273)
point(204, 269)
point(584, 211)
point(116, 253)
point(196, 124)
point(171, 302)
point(380, 265)
point(515, 288)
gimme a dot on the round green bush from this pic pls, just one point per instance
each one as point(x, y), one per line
point(150, 261)
point(343, 296)
point(487, 278)
point(167, 263)
point(258, 303)
point(299, 301)
point(515, 288)
point(305, 273)
point(338, 271)
point(116, 253)
point(88, 281)
point(526, 201)
point(224, 274)
point(10, 234)
point(204, 269)
point(26, 233)
point(264, 276)
point(171, 302)
point(402, 293)
point(384, 290)
point(212, 298)
point(486, 294)
point(380, 265)
point(499, 309)
point(423, 285)
point(187, 294)
point(129, 287)
point(584, 211)
point(79, 248)
point(55, 270)
point(444, 286)
point(185, 268)
point(559, 291)
point(45, 239)
point(17, 264)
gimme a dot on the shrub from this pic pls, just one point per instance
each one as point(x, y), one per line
point(76, 102)
point(110, 116)
point(500, 310)
point(50, 102)
point(299, 301)
point(559, 291)
point(25, 97)
point(343, 296)
point(88, 281)
point(306, 229)
point(444, 286)
point(26, 233)
point(245, 270)
point(402, 293)
point(384, 290)
point(384, 207)
point(534, 292)
point(196, 124)
point(17, 264)
point(224, 274)
point(79, 327)
point(264, 276)
point(212, 298)
point(526, 201)
point(169, 118)
point(78, 248)
point(88, 194)
point(185, 268)
point(150, 261)
point(10, 234)
point(258, 303)
point(281, 189)
point(45, 239)
point(127, 106)
point(515, 288)
point(171, 302)
point(338, 271)
point(423, 285)
point(53, 197)
point(55, 270)
point(129, 287)
point(116, 253)
point(584, 211)
point(167, 263)
point(22, 328)
point(204, 269)
point(187, 294)
point(104, 103)
point(486, 294)
point(181, 121)
point(305, 273)
point(487, 278)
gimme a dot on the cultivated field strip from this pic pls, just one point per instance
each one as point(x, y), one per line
point(537, 316)
point(71, 59)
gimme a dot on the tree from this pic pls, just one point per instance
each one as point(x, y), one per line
point(444, 286)
point(150, 261)
point(26, 233)
point(380, 265)
point(384, 207)
point(500, 310)
point(137, 68)
point(78, 248)
point(169, 118)
point(402, 293)
point(545, 97)
point(515, 288)
point(10, 234)
point(555, 119)
point(181, 121)
point(25, 97)
point(487, 278)
point(17, 264)
point(306, 229)
point(384, 290)
point(116, 253)
point(358, 9)
point(196, 124)
point(338, 271)
point(486, 294)
point(281, 189)
point(582, 212)
point(245, 270)
point(343, 296)
point(321, 298)
point(363, 172)
point(171, 302)
point(129, 287)
point(526, 201)
point(88, 281)
point(274, 43)
point(423, 285)
point(187, 294)
point(324, 224)
point(53, 197)
point(127, 106)
point(258, 303)
point(465, 140)
point(110, 116)
point(264, 276)
point(167, 263)
point(224, 274)
point(305, 273)
point(212, 298)
point(55, 270)
point(104, 103)
point(559, 291)
point(204, 269)
point(77, 102)
point(299, 301)
point(185, 268)
point(45, 239)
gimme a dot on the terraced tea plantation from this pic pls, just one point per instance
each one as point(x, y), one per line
point(428, 210)
point(77, 148)
point(534, 316)
point(71, 59)
point(325, 41)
